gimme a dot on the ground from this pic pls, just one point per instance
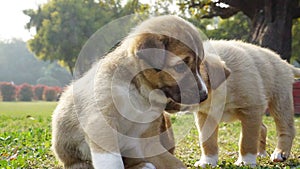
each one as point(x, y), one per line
point(25, 139)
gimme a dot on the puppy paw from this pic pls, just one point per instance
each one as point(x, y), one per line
point(143, 165)
point(207, 161)
point(148, 166)
point(278, 156)
point(248, 159)
point(262, 154)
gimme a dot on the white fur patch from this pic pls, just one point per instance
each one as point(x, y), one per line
point(203, 85)
point(248, 159)
point(207, 160)
point(107, 161)
point(262, 154)
point(276, 157)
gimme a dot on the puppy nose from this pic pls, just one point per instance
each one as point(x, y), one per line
point(203, 96)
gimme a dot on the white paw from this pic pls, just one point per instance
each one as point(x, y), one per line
point(107, 160)
point(207, 160)
point(248, 159)
point(262, 154)
point(148, 166)
point(278, 156)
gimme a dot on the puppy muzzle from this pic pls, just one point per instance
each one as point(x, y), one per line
point(187, 97)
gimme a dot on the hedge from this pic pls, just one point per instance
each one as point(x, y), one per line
point(8, 91)
point(39, 91)
point(27, 92)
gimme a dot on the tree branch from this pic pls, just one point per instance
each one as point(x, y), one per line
point(246, 6)
point(222, 12)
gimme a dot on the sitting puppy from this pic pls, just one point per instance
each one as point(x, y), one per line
point(112, 117)
point(259, 79)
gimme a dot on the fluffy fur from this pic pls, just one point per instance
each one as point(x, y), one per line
point(259, 79)
point(112, 116)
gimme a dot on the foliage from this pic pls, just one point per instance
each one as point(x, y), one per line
point(49, 81)
point(51, 93)
point(25, 92)
point(271, 21)
point(235, 27)
point(25, 135)
point(166, 7)
point(19, 65)
point(38, 91)
point(296, 40)
point(228, 8)
point(8, 91)
point(64, 26)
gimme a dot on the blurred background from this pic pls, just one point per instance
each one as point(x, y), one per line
point(41, 39)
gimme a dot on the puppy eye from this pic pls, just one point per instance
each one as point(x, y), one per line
point(180, 68)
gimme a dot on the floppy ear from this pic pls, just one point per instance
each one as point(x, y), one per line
point(217, 70)
point(151, 49)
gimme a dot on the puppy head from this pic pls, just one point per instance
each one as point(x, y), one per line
point(214, 71)
point(169, 51)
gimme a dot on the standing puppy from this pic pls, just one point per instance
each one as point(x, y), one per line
point(259, 79)
point(112, 118)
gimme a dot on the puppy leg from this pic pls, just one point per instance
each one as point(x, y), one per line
point(142, 165)
point(208, 137)
point(68, 140)
point(102, 137)
point(73, 155)
point(155, 156)
point(137, 163)
point(262, 144)
point(81, 165)
point(164, 143)
point(166, 160)
point(166, 137)
point(153, 149)
point(281, 108)
point(251, 121)
point(105, 159)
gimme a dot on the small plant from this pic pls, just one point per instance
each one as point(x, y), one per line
point(25, 92)
point(8, 91)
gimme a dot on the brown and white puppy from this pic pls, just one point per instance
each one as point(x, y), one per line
point(259, 79)
point(112, 117)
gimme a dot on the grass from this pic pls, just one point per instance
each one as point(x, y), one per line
point(25, 139)
point(189, 152)
point(25, 135)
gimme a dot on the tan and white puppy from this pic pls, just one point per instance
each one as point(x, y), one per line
point(112, 117)
point(259, 79)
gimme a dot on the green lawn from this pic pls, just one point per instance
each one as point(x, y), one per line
point(25, 135)
point(25, 139)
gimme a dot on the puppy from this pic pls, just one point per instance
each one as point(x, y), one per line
point(112, 117)
point(259, 79)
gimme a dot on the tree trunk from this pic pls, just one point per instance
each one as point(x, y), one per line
point(272, 25)
point(70, 68)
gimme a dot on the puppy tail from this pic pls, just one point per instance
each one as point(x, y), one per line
point(296, 72)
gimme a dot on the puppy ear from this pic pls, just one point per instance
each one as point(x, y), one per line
point(151, 49)
point(217, 70)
